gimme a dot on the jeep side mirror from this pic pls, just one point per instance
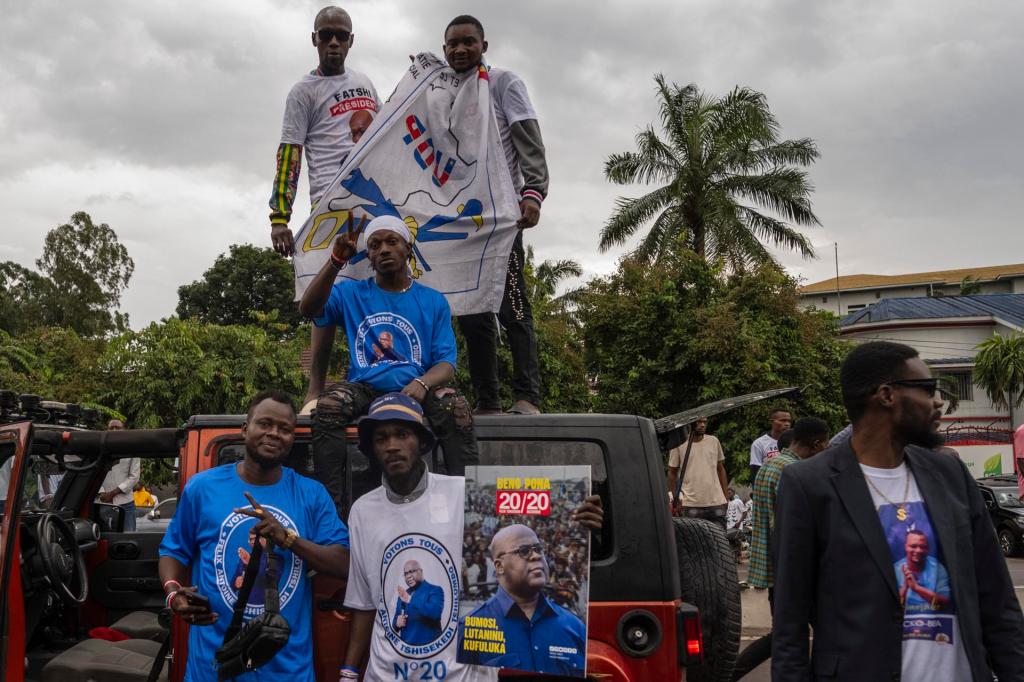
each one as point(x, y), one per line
point(110, 517)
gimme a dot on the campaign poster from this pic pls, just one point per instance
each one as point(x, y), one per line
point(525, 570)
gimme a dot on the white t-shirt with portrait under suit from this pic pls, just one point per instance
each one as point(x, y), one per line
point(701, 485)
point(933, 649)
point(385, 535)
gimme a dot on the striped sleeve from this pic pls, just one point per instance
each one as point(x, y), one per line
point(286, 180)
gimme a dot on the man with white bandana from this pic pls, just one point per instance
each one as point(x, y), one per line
point(388, 310)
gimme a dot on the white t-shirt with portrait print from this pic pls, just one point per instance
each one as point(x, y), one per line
point(384, 536)
point(933, 649)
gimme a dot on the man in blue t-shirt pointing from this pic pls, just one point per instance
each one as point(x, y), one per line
point(221, 513)
point(400, 339)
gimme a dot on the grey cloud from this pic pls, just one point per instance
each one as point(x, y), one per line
point(914, 105)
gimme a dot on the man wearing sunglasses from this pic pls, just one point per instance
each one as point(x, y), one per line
point(326, 114)
point(414, 521)
point(840, 546)
point(540, 635)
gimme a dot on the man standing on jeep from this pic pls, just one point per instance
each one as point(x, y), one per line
point(703, 493)
point(415, 516)
point(325, 114)
point(464, 48)
point(420, 357)
point(218, 510)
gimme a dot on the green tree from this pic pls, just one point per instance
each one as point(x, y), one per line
point(246, 283)
point(23, 294)
point(88, 269)
point(999, 370)
point(563, 378)
point(969, 286)
point(727, 184)
point(664, 337)
point(548, 276)
point(173, 369)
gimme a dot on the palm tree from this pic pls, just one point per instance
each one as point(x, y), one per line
point(719, 166)
point(546, 278)
point(999, 370)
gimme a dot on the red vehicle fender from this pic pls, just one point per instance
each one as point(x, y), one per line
point(605, 662)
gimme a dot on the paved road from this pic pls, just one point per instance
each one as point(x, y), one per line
point(757, 620)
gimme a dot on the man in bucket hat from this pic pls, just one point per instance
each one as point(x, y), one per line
point(414, 516)
point(400, 339)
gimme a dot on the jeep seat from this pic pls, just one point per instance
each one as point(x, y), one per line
point(97, 660)
point(141, 625)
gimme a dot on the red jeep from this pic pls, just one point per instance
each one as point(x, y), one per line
point(67, 567)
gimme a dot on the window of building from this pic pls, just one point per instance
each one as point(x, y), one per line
point(961, 382)
point(856, 307)
point(824, 299)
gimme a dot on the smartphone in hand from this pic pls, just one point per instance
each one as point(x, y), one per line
point(196, 599)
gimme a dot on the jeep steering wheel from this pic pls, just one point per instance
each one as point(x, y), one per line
point(62, 558)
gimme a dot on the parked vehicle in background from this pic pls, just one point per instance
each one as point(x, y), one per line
point(159, 517)
point(1002, 498)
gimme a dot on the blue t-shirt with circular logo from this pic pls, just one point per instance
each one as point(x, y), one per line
point(392, 337)
point(206, 534)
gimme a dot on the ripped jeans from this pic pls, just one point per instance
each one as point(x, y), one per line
point(342, 403)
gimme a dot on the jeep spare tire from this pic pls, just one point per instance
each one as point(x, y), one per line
point(707, 576)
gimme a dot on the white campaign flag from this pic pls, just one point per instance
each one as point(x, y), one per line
point(433, 158)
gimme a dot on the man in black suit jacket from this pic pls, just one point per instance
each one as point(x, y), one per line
point(851, 558)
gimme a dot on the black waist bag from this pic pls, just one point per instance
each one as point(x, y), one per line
point(251, 645)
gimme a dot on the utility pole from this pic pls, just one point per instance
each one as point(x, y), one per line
point(839, 305)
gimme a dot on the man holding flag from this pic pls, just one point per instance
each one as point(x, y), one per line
point(521, 140)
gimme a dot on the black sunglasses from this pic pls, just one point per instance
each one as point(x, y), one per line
point(525, 551)
point(325, 35)
point(930, 386)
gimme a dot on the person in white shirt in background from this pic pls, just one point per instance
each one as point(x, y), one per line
point(734, 511)
point(119, 485)
point(767, 446)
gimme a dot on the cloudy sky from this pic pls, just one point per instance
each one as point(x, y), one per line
point(162, 118)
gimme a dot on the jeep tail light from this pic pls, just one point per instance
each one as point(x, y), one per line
point(690, 640)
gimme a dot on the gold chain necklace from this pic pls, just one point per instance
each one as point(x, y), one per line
point(900, 506)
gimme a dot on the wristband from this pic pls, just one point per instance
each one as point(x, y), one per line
point(422, 383)
point(170, 598)
point(176, 583)
point(348, 672)
point(338, 262)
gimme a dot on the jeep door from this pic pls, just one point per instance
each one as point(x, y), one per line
point(14, 442)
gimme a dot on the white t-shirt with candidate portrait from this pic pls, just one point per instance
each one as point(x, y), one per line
point(385, 536)
point(318, 115)
point(933, 649)
point(763, 449)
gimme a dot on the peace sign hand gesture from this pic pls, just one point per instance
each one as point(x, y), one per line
point(268, 526)
point(346, 245)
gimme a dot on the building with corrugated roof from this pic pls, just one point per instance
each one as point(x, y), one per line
point(850, 293)
point(946, 332)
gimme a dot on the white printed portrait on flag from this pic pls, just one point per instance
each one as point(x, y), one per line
point(433, 158)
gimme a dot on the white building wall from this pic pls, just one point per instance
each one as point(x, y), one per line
point(935, 343)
